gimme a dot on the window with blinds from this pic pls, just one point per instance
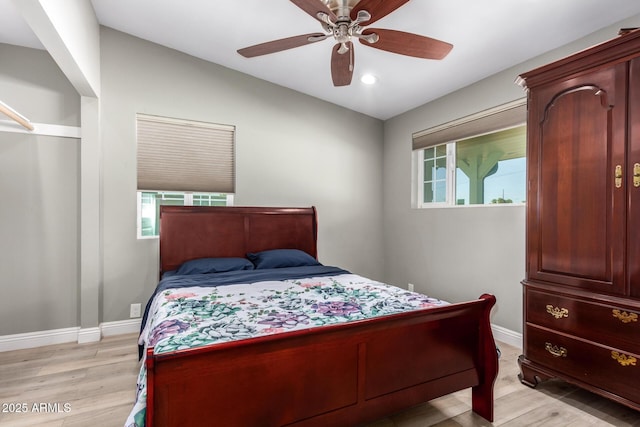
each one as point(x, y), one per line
point(476, 160)
point(182, 162)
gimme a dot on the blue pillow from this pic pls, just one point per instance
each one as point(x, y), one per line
point(214, 265)
point(280, 258)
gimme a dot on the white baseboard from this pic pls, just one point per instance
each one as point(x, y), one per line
point(66, 335)
point(507, 336)
point(87, 335)
point(120, 327)
point(38, 339)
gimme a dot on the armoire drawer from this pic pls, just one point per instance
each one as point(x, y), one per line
point(612, 369)
point(608, 324)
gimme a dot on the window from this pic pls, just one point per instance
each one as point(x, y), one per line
point(182, 162)
point(149, 203)
point(474, 161)
point(435, 174)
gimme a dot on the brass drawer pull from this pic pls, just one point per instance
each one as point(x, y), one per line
point(557, 312)
point(624, 316)
point(636, 175)
point(555, 350)
point(618, 176)
point(623, 359)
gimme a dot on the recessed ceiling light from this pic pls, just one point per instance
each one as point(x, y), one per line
point(368, 79)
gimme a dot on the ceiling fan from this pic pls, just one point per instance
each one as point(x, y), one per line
point(344, 20)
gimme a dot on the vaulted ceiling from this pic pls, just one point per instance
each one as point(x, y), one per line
point(488, 36)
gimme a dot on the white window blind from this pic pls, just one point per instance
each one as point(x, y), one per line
point(501, 117)
point(185, 155)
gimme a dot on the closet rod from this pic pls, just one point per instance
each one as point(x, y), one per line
point(13, 114)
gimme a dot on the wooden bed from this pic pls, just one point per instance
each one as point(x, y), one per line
point(338, 375)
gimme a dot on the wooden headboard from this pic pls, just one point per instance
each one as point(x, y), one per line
point(190, 232)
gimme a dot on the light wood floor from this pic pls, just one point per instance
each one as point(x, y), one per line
point(97, 383)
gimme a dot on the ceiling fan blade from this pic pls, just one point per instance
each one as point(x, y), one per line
point(281, 44)
point(342, 65)
point(407, 44)
point(377, 8)
point(313, 7)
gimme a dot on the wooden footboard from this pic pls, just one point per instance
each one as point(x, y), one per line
point(339, 375)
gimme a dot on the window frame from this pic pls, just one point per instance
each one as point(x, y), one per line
point(450, 178)
point(417, 182)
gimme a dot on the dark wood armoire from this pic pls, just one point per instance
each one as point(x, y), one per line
point(582, 284)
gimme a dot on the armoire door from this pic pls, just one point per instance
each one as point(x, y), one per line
point(576, 199)
point(633, 165)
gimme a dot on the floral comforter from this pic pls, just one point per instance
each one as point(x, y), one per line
point(187, 317)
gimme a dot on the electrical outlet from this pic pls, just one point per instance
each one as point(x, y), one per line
point(410, 287)
point(134, 311)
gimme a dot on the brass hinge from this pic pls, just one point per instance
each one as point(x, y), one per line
point(618, 176)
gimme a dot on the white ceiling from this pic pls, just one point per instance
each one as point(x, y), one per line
point(488, 36)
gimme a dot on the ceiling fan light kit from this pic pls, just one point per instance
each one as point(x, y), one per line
point(344, 20)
